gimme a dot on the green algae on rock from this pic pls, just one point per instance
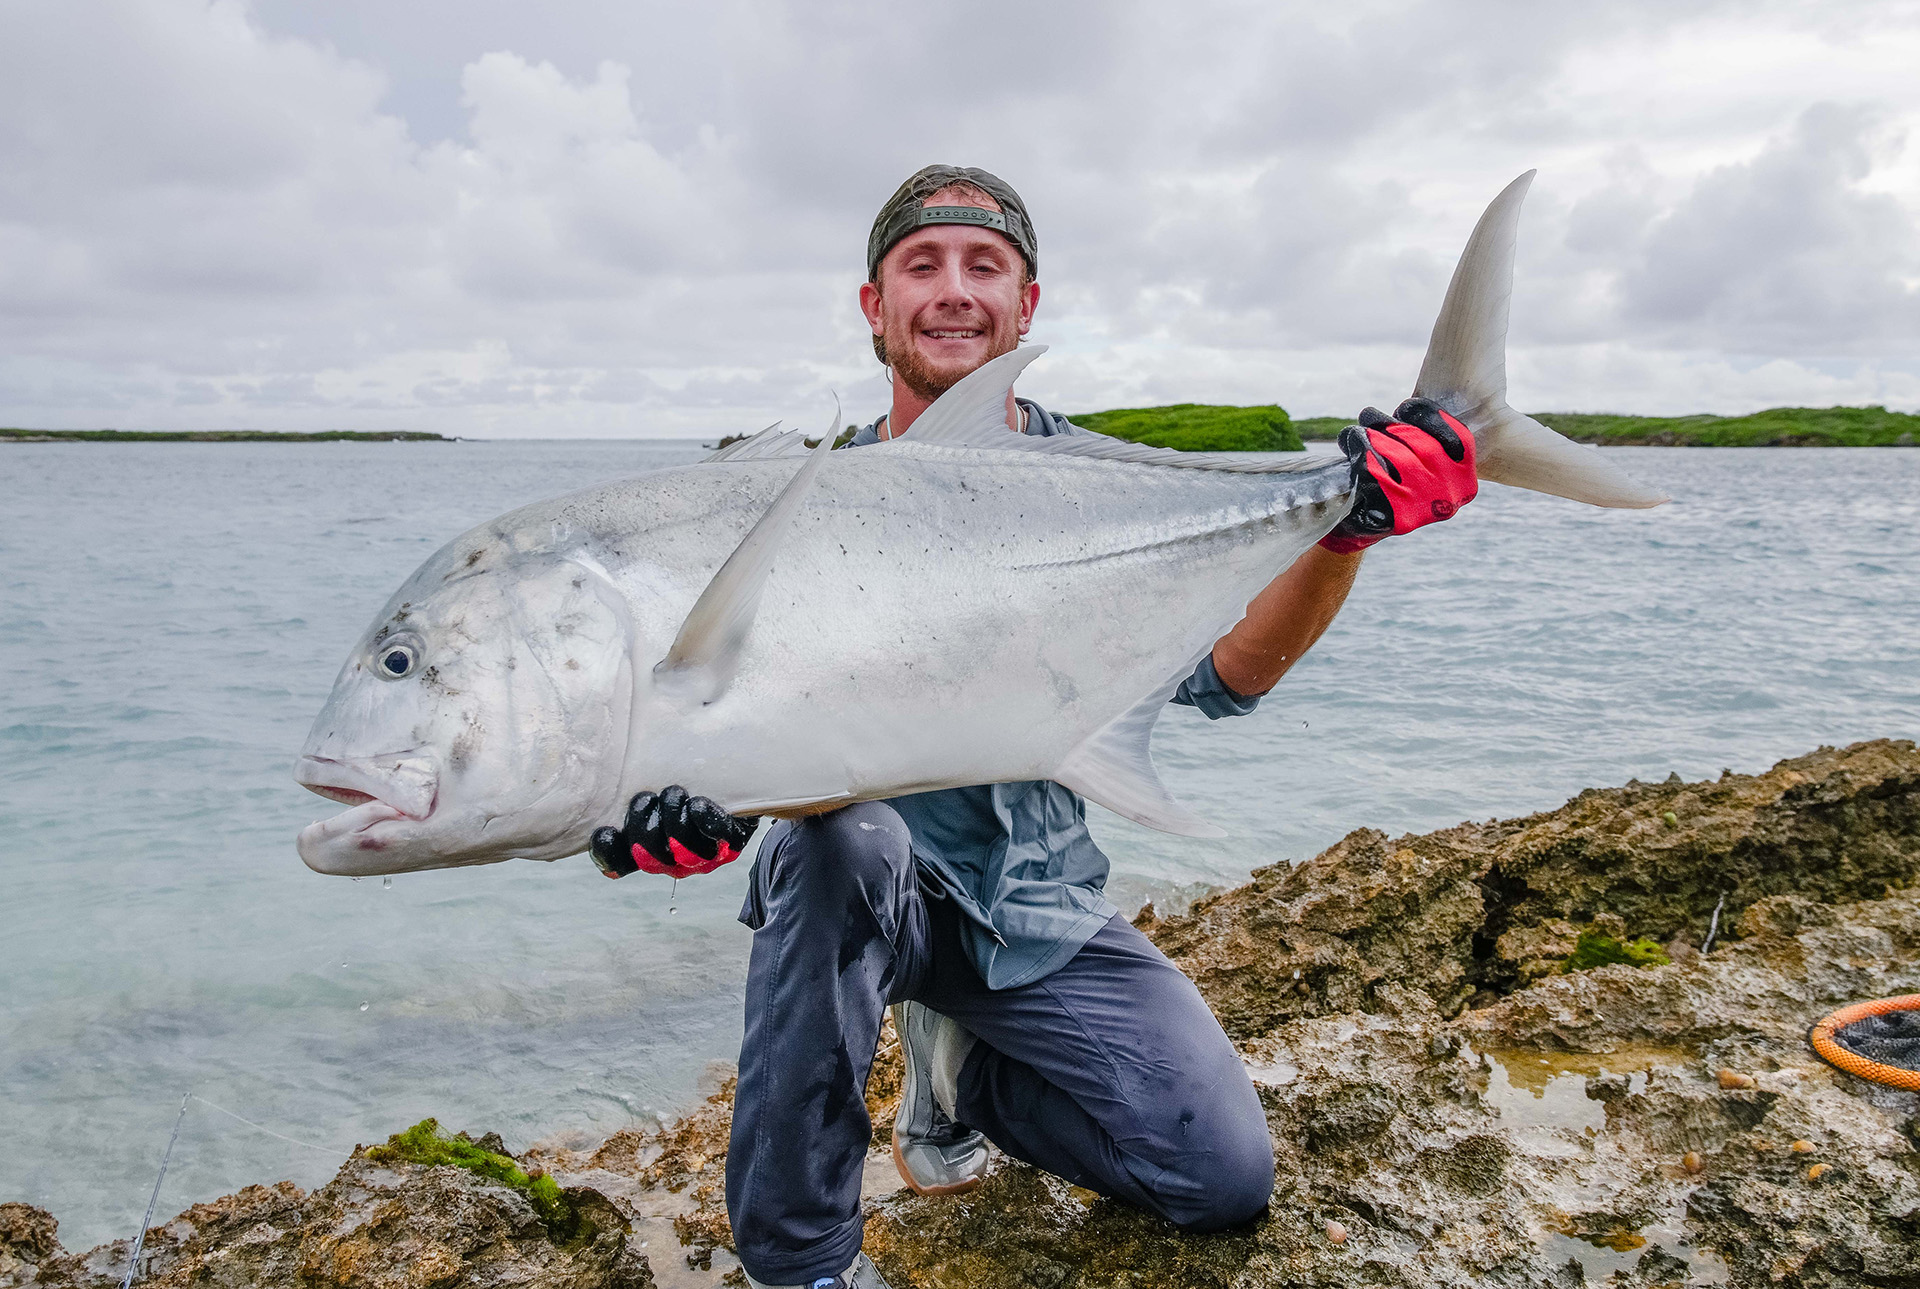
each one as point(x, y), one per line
point(1597, 949)
point(426, 1144)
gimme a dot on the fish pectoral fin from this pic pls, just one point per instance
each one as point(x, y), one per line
point(973, 414)
point(1114, 766)
point(707, 651)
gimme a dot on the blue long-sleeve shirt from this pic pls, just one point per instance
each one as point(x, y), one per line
point(1017, 857)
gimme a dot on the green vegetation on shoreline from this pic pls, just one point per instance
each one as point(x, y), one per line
point(1778, 427)
point(1322, 427)
point(214, 436)
point(1199, 427)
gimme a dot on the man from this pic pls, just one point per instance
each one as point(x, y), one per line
point(1030, 1014)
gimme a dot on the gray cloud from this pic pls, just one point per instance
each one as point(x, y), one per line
point(614, 218)
point(1785, 254)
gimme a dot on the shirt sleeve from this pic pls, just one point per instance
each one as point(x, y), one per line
point(1205, 690)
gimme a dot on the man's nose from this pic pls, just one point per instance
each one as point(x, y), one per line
point(956, 288)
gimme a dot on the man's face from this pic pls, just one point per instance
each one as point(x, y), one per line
point(949, 298)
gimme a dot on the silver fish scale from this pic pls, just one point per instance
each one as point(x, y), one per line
point(941, 616)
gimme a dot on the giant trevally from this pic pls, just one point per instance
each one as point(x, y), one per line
point(782, 629)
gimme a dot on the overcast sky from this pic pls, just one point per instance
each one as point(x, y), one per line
point(610, 218)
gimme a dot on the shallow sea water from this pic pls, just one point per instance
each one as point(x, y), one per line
point(171, 616)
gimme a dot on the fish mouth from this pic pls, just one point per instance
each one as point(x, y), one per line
point(404, 782)
point(377, 790)
point(346, 844)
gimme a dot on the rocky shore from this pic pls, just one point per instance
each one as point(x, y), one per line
point(1449, 1105)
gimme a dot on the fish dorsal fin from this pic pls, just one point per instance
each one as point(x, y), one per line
point(974, 412)
point(707, 651)
point(1114, 766)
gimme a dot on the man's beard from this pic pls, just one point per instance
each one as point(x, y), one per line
point(913, 369)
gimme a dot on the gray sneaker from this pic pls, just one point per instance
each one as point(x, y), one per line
point(861, 1275)
point(935, 1155)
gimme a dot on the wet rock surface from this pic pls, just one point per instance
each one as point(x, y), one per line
point(372, 1227)
point(1447, 1106)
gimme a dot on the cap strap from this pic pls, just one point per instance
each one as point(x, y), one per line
point(974, 215)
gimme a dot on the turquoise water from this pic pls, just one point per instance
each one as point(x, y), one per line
point(171, 616)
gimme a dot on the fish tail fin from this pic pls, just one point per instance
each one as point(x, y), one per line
point(1465, 372)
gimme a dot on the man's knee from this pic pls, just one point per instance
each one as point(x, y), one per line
point(861, 850)
point(1238, 1184)
point(1227, 1178)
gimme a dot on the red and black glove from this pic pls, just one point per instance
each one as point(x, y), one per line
point(673, 833)
point(1410, 469)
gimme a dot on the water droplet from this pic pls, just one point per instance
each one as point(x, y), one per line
point(1303, 725)
point(364, 1006)
point(386, 883)
point(356, 879)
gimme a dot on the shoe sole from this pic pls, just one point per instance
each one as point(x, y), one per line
point(906, 1175)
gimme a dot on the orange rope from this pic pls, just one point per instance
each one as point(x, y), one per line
point(1821, 1036)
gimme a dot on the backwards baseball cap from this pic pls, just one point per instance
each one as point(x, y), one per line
point(905, 211)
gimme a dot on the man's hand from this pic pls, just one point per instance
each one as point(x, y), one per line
point(671, 832)
point(1411, 469)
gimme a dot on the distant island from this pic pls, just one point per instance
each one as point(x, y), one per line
point(1201, 427)
point(1205, 427)
point(1779, 427)
point(217, 436)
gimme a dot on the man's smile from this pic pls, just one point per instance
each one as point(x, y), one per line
point(953, 333)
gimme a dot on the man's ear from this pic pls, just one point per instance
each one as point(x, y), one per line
point(1029, 301)
point(870, 305)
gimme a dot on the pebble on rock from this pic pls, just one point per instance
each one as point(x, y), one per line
point(1336, 1233)
point(1813, 1174)
point(1803, 1147)
point(1691, 1161)
point(1734, 1079)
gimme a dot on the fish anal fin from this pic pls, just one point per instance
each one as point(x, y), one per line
point(1114, 767)
point(706, 652)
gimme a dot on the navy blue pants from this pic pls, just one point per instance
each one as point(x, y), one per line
point(1110, 1072)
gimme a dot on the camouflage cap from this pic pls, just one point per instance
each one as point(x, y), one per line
point(905, 211)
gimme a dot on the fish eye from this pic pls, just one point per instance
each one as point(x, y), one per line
point(397, 658)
